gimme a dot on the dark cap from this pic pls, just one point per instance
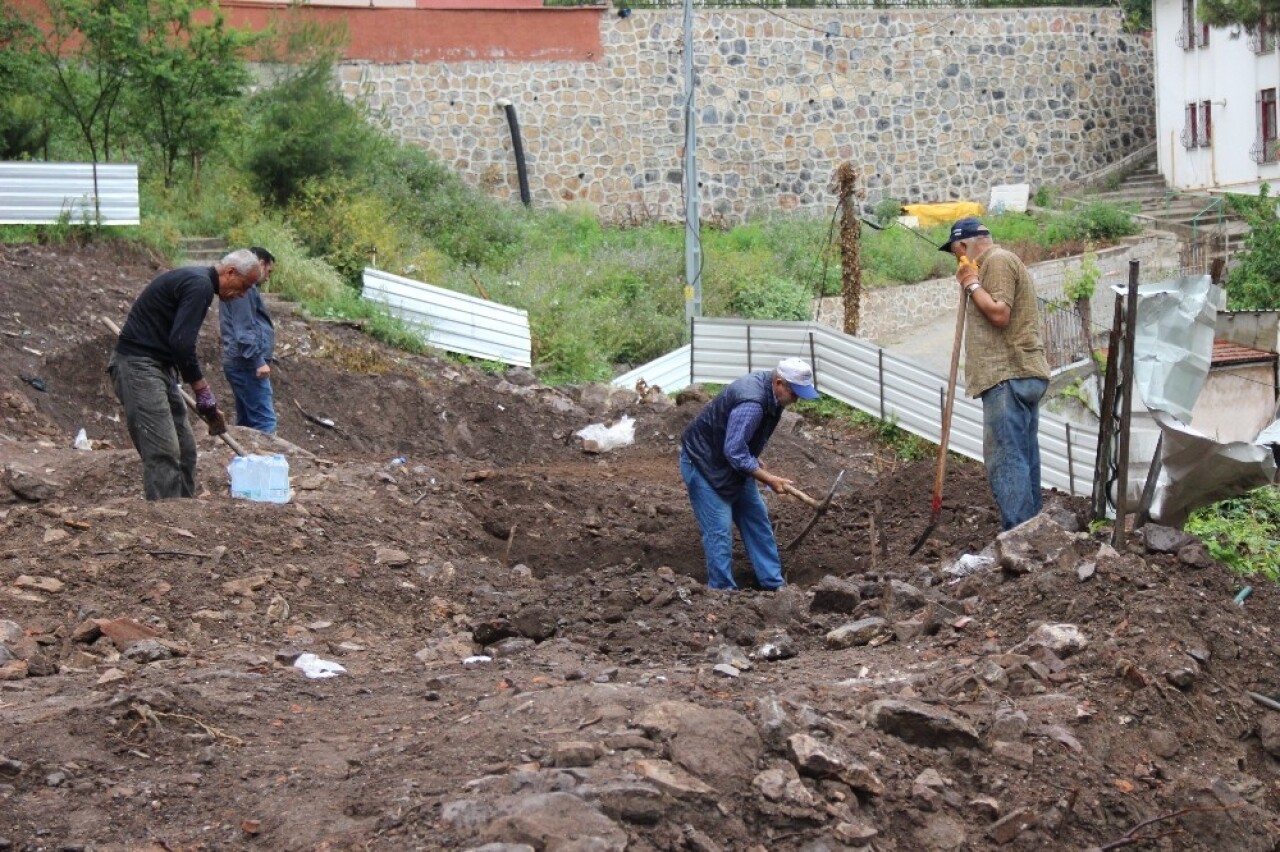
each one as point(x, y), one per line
point(965, 229)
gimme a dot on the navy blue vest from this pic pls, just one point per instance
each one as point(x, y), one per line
point(703, 439)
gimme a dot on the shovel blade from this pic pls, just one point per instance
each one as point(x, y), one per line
point(928, 531)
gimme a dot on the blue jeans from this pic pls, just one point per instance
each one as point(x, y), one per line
point(1011, 447)
point(254, 406)
point(717, 516)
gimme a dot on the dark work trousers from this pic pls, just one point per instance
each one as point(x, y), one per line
point(157, 418)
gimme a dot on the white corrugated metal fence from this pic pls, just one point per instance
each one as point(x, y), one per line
point(46, 193)
point(454, 321)
point(865, 377)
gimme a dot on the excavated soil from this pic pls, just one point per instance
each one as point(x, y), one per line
point(531, 658)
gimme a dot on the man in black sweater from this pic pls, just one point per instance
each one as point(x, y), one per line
point(156, 346)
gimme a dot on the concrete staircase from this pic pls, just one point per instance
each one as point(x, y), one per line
point(1203, 221)
point(202, 251)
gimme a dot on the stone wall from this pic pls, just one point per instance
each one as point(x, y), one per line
point(929, 105)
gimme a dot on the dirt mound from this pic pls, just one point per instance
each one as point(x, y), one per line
point(531, 658)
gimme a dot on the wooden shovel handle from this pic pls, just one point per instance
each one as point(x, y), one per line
point(948, 407)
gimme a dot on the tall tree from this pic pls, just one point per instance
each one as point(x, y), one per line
point(85, 56)
point(183, 77)
point(1249, 13)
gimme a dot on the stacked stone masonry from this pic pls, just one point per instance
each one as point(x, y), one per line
point(929, 105)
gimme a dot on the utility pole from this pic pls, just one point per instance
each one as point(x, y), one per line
point(692, 226)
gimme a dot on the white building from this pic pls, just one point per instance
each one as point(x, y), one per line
point(1216, 95)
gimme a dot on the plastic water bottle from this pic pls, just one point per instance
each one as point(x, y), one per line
point(264, 479)
point(277, 479)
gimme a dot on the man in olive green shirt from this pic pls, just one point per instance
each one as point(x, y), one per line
point(1004, 366)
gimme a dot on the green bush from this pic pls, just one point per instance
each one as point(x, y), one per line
point(1255, 283)
point(297, 275)
point(460, 221)
point(24, 127)
point(751, 284)
point(590, 307)
point(349, 228)
point(1093, 222)
point(895, 256)
point(302, 129)
point(887, 210)
point(210, 206)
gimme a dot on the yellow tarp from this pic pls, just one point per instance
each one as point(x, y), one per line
point(943, 213)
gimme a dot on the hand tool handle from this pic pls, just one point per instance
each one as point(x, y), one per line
point(796, 492)
point(936, 505)
point(186, 397)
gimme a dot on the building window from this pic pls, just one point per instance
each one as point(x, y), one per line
point(1264, 149)
point(1205, 137)
point(1263, 38)
point(1187, 35)
point(1190, 129)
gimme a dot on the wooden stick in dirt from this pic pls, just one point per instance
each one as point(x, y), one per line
point(511, 536)
point(1131, 836)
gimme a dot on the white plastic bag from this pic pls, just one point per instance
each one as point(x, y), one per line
point(82, 441)
point(314, 667)
point(599, 438)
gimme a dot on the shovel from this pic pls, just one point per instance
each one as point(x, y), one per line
point(819, 508)
point(936, 507)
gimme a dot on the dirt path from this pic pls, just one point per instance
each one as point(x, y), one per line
point(531, 658)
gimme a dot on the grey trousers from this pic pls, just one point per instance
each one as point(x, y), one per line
point(157, 419)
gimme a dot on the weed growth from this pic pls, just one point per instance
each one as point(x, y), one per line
point(1243, 532)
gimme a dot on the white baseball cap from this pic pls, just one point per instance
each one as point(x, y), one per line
point(799, 375)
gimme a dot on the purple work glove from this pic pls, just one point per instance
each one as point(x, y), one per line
point(206, 405)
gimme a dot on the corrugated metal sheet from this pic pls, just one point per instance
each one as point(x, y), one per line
point(45, 193)
point(873, 380)
point(669, 372)
point(453, 321)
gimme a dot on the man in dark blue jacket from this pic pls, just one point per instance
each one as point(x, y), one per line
point(248, 344)
point(720, 464)
point(158, 344)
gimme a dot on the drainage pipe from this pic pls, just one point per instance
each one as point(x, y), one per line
point(522, 173)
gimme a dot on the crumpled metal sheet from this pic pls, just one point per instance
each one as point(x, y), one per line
point(1173, 351)
point(1198, 470)
point(1173, 346)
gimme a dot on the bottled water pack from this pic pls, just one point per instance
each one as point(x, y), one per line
point(264, 479)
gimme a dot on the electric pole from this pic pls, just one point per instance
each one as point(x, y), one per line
point(692, 226)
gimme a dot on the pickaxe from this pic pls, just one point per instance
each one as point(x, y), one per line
point(819, 508)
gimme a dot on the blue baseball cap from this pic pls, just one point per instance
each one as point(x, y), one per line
point(965, 229)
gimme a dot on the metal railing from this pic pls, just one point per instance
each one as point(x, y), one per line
point(1265, 151)
point(1262, 40)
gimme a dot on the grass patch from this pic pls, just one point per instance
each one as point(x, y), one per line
point(1243, 532)
point(905, 445)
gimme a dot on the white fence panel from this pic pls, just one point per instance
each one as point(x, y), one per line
point(454, 321)
point(873, 380)
point(669, 372)
point(44, 193)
